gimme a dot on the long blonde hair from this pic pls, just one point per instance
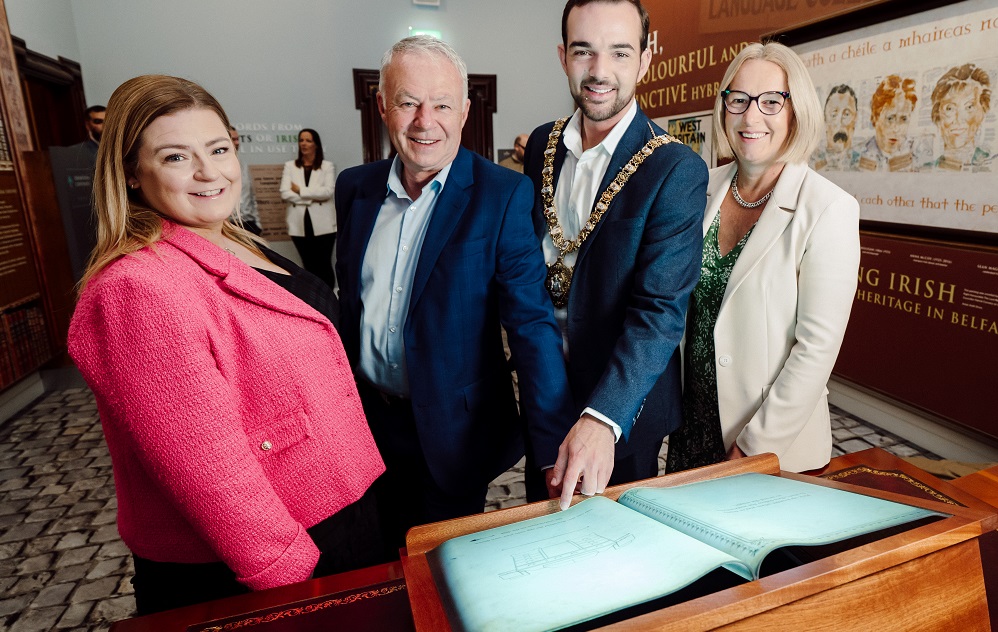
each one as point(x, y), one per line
point(125, 223)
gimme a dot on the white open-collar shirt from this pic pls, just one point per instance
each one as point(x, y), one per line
point(578, 185)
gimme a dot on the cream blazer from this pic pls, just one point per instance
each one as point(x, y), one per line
point(783, 316)
point(317, 197)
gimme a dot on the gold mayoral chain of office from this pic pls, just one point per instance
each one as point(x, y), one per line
point(559, 277)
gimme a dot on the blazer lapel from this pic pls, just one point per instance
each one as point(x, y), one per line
point(363, 215)
point(252, 286)
point(239, 278)
point(771, 225)
point(717, 188)
point(448, 210)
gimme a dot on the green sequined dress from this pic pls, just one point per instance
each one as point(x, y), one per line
point(698, 441)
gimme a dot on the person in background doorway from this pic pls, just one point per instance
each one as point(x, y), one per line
point(247, 212)
point(94, 123)
point(514, 161)
point(307, 187)
point(82, 230)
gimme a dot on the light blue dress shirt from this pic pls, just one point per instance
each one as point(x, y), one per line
point(386, 278)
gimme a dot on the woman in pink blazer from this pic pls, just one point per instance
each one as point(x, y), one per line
point(778, 274)
point(241, 455)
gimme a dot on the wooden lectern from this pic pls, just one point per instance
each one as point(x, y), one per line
point(983, 485)
point(928, 578)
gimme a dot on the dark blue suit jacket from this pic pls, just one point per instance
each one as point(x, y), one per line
point(631, 284)
point(480, 265)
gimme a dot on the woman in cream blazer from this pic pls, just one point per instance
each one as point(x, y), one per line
point(784, 308)
point(311, 215)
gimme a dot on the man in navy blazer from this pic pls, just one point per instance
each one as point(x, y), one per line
point(436, 251)
point(634, 197)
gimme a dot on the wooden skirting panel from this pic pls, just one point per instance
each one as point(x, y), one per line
point(944, 591)
point(939, 592)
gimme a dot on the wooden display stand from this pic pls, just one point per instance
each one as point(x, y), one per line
point(982, 485)
point(931, 578)
point(369, 599)
point(928, 578)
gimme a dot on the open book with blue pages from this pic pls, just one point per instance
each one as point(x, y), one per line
point(602, 556)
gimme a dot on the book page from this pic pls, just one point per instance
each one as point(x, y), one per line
point(553, 571)
point(749, 515)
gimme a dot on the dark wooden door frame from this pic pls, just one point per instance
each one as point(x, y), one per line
point(58, 72)
point(46, 235)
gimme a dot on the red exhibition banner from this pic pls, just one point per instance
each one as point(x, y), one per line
point(924, 328)
point(693, 41)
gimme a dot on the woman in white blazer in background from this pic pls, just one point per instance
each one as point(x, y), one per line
point(307, 187)
point(780, 264)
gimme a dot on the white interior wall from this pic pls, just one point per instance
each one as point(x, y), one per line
point(290, 62)
point(47, 26)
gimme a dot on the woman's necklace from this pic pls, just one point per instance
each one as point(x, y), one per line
point(224, 245)
point(742, 203)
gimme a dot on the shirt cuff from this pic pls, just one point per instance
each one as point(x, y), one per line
point(598, 416)
point(601, 417)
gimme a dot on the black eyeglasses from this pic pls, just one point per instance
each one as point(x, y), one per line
point(769, 102)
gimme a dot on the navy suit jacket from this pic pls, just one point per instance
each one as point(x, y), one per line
point(631, 284)
point(480, 265)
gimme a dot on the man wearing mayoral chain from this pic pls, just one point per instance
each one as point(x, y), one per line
point(618, 207)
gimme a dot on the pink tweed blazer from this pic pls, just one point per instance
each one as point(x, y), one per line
point(228, 406)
